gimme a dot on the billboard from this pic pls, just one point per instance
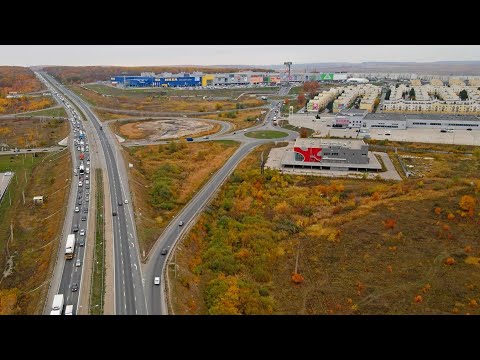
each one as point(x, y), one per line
point(331, 76)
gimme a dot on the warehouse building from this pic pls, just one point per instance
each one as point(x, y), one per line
point(330, 154)
point(426, 121)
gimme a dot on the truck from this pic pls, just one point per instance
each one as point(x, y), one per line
point(57, 305)
point(69, 310)
point(81, 169)
point(70, 248)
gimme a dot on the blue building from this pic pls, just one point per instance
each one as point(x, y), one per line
point(151, 81)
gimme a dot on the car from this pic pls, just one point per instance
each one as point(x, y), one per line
point(85, 210)
point(87, 186)
point(80, 184)
point(156, 281)
point(164, 252)
point(75, 228)
point(120, 203)
point(77, 209)
point(84, 218)
point(126, 201)
point(82, 232)
point(469, 129)
point(79, 196)
point(234, 133)
point(180, 223)
point(78, 263)
point(82, 242)
point(29, 150)
point(244, 130)
point(80, 202)
point(114, 213)
point(205, 137)
point(87, 193)
point(74, 287)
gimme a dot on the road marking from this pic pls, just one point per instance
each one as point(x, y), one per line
point(133, 245)
point(135, 266)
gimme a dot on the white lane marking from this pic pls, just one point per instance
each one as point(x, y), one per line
point(133, 245)
point(135, 266)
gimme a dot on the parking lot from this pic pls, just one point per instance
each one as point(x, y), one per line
point(323, 127)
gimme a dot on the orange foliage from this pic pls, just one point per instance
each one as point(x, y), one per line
point(426, 288)
point(450, 261)
point(390, 224)
point(468, 203)
point(450, 216)
point(438, 210)
point(418, 299)
point(468, 249)
point(473, 303)
point(445, 227)
point(389, 268)
point(297, 278)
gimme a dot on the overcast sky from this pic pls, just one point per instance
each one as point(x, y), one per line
point(136, 55)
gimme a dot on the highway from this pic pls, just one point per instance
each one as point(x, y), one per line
point(173, 232)
point(66, 272)
point(129, 294)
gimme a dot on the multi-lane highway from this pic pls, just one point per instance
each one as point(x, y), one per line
point(156, 262)
point(129, 295)
point(68, 280)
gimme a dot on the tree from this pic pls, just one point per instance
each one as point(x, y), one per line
point(387, 95)
point(412, 93)
point(303, 133)
point(463, 95)
point(297, 278)
point(311, 87)
point(390, 224)
point(467, 203)
point(301, 100)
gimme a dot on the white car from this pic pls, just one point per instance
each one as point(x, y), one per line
point(77, 209)
point(156, 281)
point(126, 201)
point(82, 232)
point(80, 184)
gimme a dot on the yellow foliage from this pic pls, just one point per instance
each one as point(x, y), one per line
point(450, 216)
point(282, 208)
point(472, 260)
point(467, 202)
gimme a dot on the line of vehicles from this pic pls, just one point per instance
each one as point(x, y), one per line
point(82, 171)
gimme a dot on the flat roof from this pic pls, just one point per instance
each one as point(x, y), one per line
point(352, 111)
point(318, 142)
point(404, 117)
point(289, 159)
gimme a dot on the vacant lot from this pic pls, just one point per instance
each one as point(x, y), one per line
point(27, 132)
point(27, 260)
point(239, 119)
point(306, 245)
point(106, 115)
point(165, 177)
point(155, 130)
point(231, 93)
point(154, 102)
point(58, 111)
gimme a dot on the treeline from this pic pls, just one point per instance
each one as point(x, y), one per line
point(78, 74)
point(24, 104)
point(19, 79)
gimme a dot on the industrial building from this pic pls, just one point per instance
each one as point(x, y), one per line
point(330, 154)
point(357, 119)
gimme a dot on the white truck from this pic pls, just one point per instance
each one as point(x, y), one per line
point(57, 305)
point(70, 248)
point(69, 310)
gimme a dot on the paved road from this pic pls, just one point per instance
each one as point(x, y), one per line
point(35, 150)
point(156, 262)
point(66, 272)
point(129, 294)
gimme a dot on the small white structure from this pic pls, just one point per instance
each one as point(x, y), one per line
point(38, 200)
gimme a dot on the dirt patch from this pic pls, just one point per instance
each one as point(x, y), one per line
point(163, 129)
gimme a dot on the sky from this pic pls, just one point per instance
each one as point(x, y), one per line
point(150, 55)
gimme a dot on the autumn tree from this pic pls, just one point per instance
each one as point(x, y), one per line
point(311, 87)
point(390, 223)
point(301, 100)
point(297, 278)
point(303, 133)
point(467, 203)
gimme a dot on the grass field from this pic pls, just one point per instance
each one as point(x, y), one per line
point(142, 101)
point(106, 115)
point(165, 177)
point(56, 112)
point(232, 93)
point(97, 292)
point(26, 132)
point(36, 228)
point(266, 134)
point(239, 119)
point(287, 244)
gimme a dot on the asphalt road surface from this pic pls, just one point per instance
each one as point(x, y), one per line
point(129, 294)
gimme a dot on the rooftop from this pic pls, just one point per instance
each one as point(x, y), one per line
point(404, 117)
point(319, 142)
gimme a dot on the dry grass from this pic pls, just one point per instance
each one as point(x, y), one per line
point(195, 163)
point(364, 246)
point(242, 119)
point(152, 102)
point(36, 232)
point(23, 132)
point(106, 115)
